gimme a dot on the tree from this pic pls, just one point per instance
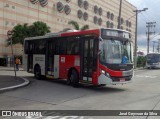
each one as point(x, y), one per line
point(19, 33)
point(141, 61)
point(77, 27)
point(39, 29)
point(22, 31)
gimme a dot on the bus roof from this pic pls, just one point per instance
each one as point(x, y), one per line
point(72, 33)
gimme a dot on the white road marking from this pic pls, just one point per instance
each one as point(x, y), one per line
point(142, 76)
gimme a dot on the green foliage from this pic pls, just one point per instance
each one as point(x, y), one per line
point(22, 31)
point(74, 24)
point(141, 61)
point(39, 29)
point(77, 27)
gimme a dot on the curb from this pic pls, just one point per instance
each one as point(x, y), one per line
point(26, 82)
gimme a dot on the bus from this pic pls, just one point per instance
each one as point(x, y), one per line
point(96, 57)
point(153, 60)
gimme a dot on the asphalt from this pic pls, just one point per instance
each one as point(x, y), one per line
point(9, 82)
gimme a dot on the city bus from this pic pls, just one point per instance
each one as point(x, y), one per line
point(96, 57)
point(153, 60)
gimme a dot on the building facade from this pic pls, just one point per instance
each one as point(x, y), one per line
point(57, 13)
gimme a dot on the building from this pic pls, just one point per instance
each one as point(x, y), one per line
point(57, 13)
point(139, 53)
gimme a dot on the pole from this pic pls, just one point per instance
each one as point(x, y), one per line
point(153, 47)
point(149, 25)
point(9, 34)
point(148, 40)
point(135, 48)
point(119, 18)
point(13, 59)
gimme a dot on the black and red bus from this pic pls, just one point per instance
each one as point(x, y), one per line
point(98, 56)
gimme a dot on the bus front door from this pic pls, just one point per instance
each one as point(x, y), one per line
point(89, 58)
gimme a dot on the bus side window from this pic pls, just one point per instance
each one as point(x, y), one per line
point(31, 47)
point(63, 46)
point(73, 46)
point(51, 48)
point(40, 46)
point(57, 46)
point(26, 47)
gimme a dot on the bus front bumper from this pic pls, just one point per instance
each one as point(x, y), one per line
point(103, 79)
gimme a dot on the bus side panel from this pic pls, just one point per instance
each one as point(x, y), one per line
point(66, 62)
point(25, 62)
point(40, 60)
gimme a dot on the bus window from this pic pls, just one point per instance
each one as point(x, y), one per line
point(26, 47)
point(31, 47)
point(40, 46)
point(62, 46)
point(51, 47)
point(73, 45)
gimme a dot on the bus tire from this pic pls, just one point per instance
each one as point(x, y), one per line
point(37, 72)
point(74, 80)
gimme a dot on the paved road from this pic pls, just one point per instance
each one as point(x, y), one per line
point(142, 94)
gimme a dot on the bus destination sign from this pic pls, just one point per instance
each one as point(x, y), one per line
point(115, 33)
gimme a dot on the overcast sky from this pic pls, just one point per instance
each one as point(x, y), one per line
point(151, 15)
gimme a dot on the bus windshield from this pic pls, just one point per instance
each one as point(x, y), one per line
point(115, 51)
point(153, 58)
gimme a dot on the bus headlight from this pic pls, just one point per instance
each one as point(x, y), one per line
point(105, 73)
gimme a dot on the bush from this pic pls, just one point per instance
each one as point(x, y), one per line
point(3, 62)
point(141, 61)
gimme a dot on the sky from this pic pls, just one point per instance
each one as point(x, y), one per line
point(150, 15)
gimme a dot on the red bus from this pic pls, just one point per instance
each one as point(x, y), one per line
point(98, 56)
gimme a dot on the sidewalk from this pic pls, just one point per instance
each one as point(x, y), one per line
point(8, 68)
point(8, 80)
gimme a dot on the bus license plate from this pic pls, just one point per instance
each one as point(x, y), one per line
point(122, 79)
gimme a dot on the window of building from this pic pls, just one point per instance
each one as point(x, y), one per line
point(86, 5)
point(100, 21)
point(85, 16)
point(111, 25)
point(122, 21)
point(95, 19)
point(80, 3)
point(67, 9)
point(95, 9)
point(112, 16)
point(100, 11)
point(108, 24)
point(108, 15)
point(80, 14)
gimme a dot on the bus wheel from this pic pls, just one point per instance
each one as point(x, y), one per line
point(37, 72)
point(74, 80)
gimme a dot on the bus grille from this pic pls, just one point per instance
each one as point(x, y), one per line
point(118, 79)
